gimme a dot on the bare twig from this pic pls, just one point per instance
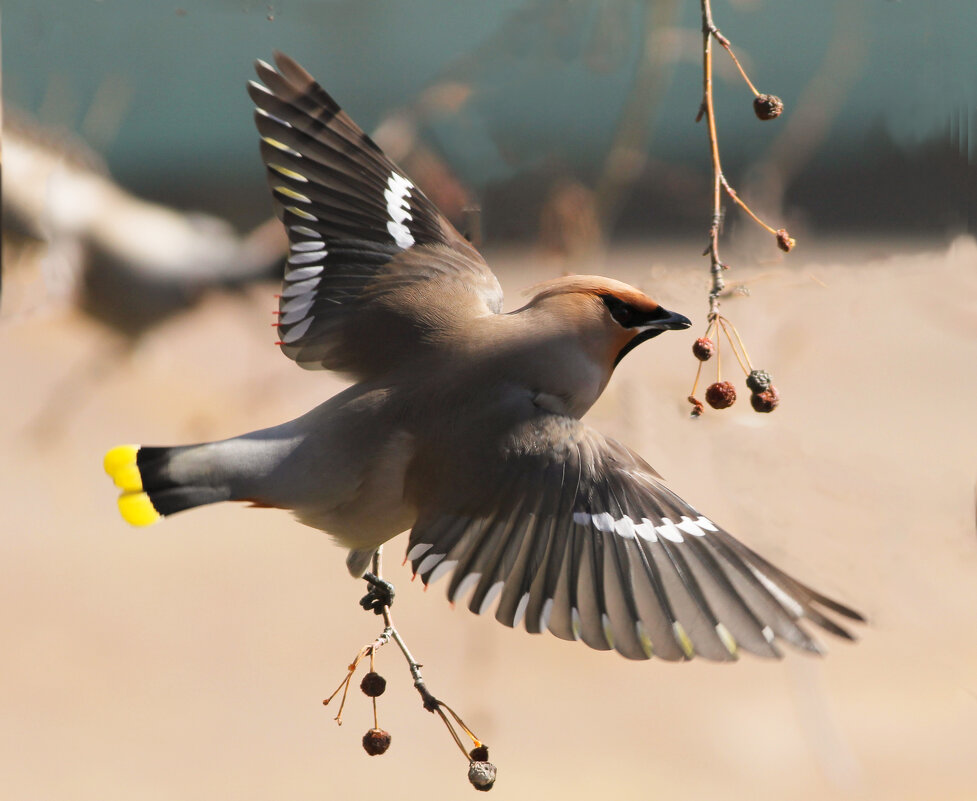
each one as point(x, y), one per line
point(721, 395)
point(707, 110)
point(719, 181)
point(431, 704)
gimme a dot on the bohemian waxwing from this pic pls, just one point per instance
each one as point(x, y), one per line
point(463, 424)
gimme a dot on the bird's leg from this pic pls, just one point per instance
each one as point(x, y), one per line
point(380, 594)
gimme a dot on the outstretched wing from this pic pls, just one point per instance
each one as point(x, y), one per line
point(375, 274)
point(574, 533)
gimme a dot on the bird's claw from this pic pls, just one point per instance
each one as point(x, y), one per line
point(379, 596)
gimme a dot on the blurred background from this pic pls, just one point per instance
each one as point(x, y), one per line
point(139, 263)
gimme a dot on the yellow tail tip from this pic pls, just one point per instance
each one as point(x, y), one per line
point(120, 464)
point(137, 509)
point(134, 504)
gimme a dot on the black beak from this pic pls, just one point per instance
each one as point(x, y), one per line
point(653, 324)
point(661, 319)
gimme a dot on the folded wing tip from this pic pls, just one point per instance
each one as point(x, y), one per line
point(851, 614)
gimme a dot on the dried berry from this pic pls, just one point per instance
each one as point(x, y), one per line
point(767, 107)
point(482, 775)
point(373, 684)
point(721, 395)
point(479, 754)
point(704, 349)
point(697, 406)
point(765, 401)
point(758, 380)
point(376, 741)
point(785, 241)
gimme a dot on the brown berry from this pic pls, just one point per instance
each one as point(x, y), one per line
point(703, 349)
point(373, 684)
point(696, 405)
point(785, 241)
point(767, 107)
point(721, 395)
point(376, 741)
point(479, 754)
point(765, 401)
point(482, 775)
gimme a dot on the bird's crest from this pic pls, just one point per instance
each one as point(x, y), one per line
point(592, 285)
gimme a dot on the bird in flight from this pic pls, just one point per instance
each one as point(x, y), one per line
point(463, 423)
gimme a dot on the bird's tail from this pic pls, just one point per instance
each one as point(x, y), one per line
point(157, 482)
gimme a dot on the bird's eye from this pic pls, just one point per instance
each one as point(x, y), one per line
point(622, 313)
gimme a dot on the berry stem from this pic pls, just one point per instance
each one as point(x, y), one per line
point(698, 372)
point(719, 351)
point(351, 669)
point(454, 734)
point(376, 721)
point(725, 44)
point(475, 741)
point(345, 688)
point(695, 384)
point(742, 204)
point(748, 367)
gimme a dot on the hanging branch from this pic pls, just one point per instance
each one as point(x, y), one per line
point(481, 772)
point(721, 394)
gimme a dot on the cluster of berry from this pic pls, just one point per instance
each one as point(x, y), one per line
point(376, 741)
point(722, 394)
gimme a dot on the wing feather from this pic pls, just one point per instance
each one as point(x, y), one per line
point(575, 534)
point(393, 275)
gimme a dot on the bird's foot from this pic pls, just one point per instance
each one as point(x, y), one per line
point(379, 595)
